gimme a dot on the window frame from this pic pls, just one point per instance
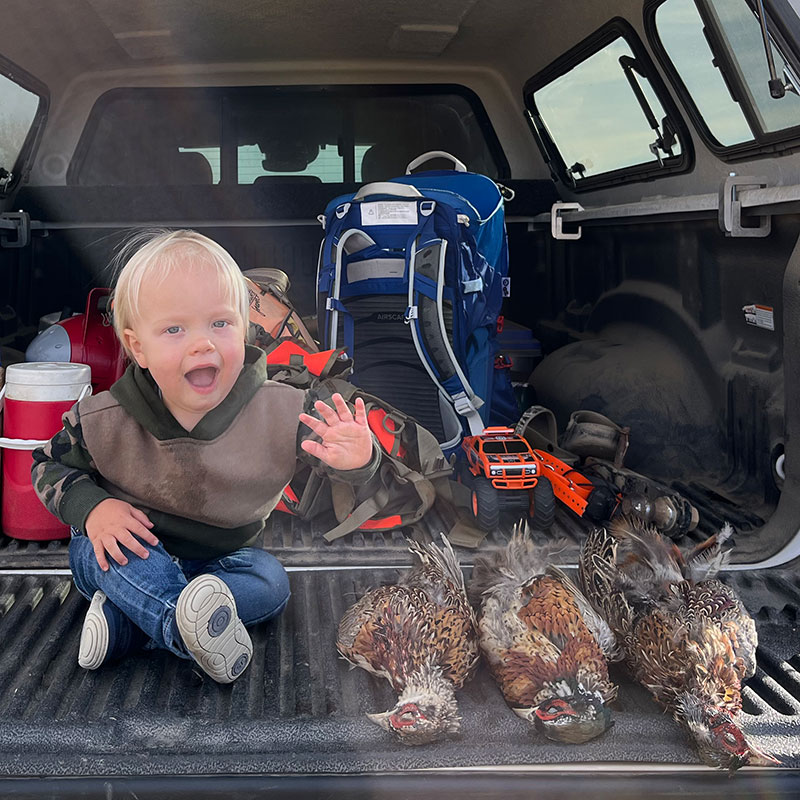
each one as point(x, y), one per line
point(21, 167)
point(230, 98)
point(763, 144)
point(636, 173)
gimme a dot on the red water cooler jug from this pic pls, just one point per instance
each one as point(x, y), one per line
point(36, 396)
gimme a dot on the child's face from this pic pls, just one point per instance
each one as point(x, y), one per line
point(190, 338)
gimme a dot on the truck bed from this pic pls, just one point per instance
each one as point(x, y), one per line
point(298, 712)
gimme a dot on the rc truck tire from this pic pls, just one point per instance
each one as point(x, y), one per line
point(485, 504)
point(544, 505)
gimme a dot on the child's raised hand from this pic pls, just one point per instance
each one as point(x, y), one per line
point(112, 523)
point(346, 440)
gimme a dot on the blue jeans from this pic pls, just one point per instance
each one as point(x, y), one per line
point(146, 589)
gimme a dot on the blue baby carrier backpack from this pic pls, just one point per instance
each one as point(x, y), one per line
point(410, 283)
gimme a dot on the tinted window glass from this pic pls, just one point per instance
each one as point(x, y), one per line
point(494, 447)
point(681, 31)
point(294, 136)
point(18, 108)
point(685, 27)
point(149, 138)
point(516, 447)
point(741, 33)
point(392, 131)
point(246, 136)
point(602, 114)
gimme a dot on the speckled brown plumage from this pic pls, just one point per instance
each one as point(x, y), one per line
point(392, 630)
point(554, 645)
point(685, 635)
point(420, 635)
point(542, 641)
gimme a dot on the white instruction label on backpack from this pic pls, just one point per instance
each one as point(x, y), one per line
point(760, 316)
point(388, 212)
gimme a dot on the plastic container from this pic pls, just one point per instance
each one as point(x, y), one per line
point(86, 338)
point(36, 396)
point(518, 344)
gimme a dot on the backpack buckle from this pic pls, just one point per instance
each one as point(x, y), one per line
point(464, 405)
point(474, 285)
point(426, 207)
point(412, 312)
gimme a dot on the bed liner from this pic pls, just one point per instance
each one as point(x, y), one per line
point(299, 710)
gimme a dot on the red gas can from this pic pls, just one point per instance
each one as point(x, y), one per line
point(36, 396)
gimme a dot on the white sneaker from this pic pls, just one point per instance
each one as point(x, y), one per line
point(107, 634)
point(211, 630)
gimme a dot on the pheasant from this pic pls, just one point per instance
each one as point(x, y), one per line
point(545, 645)
point(419, 635)
point(685, 635)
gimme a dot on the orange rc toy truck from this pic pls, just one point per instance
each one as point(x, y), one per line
point(506, 474)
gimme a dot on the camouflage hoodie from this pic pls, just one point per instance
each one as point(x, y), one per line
point(208, 491)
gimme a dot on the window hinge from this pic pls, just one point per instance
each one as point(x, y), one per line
point(730, 207)
point(556, 221)
point(5, 179)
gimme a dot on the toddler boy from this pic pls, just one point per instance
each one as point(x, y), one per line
point(167, 479)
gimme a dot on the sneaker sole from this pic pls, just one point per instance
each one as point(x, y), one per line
point(211, 629)
point(93, 646)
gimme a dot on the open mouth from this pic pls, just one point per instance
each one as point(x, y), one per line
point(202, 377)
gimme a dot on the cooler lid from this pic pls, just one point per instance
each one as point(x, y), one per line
point(48, 373)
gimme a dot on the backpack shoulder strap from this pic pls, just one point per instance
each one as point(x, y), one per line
point(425, 315)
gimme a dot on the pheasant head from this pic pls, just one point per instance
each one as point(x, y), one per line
point(719, 741)
point(572, 714)
point(425, 711)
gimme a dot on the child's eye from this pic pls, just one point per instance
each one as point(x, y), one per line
point(173, 329)
point(220, 323)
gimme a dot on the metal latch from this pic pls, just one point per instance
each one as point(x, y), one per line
point(556, 222)
point(730, 207)
point(18, 222)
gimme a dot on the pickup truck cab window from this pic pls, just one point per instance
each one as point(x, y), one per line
point(260, 135)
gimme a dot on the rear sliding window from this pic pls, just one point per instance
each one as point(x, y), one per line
point(270, 135)
point(715, 53)
point(602, 115)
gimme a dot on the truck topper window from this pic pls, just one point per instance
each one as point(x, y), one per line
point(23, 105)
point(17, 112)
point(602, 116)
point(715, 52)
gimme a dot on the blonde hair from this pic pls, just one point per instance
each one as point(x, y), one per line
point(155, 253)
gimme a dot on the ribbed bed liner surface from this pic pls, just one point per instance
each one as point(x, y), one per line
point(300, 709)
